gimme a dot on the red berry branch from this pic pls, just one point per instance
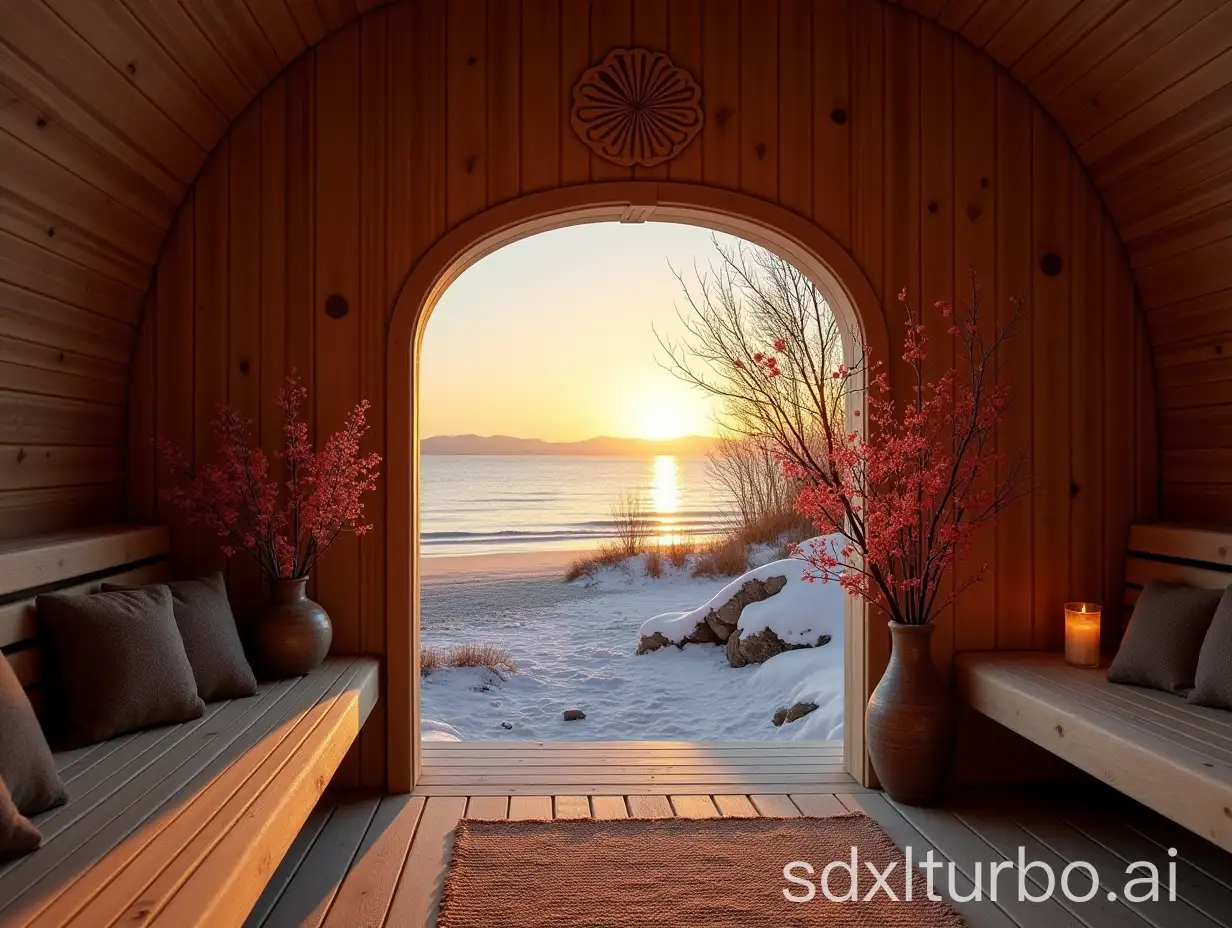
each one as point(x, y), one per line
point(284, 526)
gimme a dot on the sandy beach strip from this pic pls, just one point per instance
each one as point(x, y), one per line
point(513, 564)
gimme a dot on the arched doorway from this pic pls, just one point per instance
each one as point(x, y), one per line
point(807, 246)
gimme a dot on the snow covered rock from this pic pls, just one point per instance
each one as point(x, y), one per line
point(670, 628)
point(714, 622)
point(723, 620)
point(798, 711)
point(759, 647)
point(432, 730)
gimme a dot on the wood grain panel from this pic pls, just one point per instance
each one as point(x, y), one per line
point(109, 111)
point(916, 152)
point(1144, 89)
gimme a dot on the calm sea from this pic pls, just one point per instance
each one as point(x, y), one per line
point(481, 504)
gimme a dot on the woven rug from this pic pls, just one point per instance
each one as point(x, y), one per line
point(674, 873)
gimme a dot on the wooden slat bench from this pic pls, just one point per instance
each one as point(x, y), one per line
point(181, 825)
point(1156, 748)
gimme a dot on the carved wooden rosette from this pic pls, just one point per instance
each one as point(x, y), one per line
point(637, 108)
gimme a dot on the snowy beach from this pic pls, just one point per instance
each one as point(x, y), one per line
point(575, 646)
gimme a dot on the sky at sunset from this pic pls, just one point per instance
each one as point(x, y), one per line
point(551, 338)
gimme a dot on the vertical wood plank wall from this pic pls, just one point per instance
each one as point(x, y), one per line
point(899, 139)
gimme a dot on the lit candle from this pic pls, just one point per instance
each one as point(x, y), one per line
point(1082, 634)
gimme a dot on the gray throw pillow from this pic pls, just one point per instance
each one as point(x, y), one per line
point(1213, 680)
point(211, 639)
point(119, 663)
point(1165, 633)
point(26, 764)
point(17, 835)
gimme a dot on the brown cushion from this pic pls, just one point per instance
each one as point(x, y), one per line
point(1165, 633)
point(119, 663)
point(211, 640)
point(17, 835)
point(1213, 680)
point(26, 764)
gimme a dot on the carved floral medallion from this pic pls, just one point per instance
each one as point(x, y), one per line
point(637, 108)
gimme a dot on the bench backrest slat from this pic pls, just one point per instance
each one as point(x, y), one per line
point(75, 562)
point(1177, 554)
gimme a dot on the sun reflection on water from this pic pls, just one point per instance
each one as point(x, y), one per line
point(665, 494)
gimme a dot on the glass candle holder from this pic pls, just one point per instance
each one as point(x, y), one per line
point(1082, 634)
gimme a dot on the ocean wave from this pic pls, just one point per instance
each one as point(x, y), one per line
point(547, 535)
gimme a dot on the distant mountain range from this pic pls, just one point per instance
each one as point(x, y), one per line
point(601, 446)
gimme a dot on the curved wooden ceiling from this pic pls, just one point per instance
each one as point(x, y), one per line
point(108, 108)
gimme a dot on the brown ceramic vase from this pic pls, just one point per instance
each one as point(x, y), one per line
point(910, 721)
point(292, 633)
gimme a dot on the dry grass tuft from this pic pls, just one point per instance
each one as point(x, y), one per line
point(680, 549)
point(430, 659)
point(631, 523)
point(610, 555)
point(471, 654)
point(727, 557)
point(773, 527)
point(654, 563)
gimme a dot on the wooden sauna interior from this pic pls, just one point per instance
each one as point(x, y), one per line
point(184, 184)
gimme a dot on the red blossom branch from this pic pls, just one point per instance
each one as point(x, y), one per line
point(284, 527)
point(907, 500)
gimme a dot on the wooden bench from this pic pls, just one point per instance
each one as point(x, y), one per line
point(181, 825)
point(1154, 747)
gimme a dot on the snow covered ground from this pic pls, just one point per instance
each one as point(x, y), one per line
point(575, 647)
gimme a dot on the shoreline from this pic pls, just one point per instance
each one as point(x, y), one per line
point(519, 563)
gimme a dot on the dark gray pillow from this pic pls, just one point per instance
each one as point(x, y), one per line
point(17, 835)
point(26, 764)
point(1213, 680)
point(1165, 633)
point(211, 640)
point(119, 663)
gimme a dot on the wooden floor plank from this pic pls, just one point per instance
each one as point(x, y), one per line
point(974, 829)
point(1005, 836)
point(957, 843)
point(571, 807)
point(584, 777)
point(497, 768)
point(694, 807)
point(649, 807)
point(903, 833)
point(419, 886)
point(1195, 889)
point(734, 806)
point(775, 806)
point(363, 901)
point(488, 808)
point(312, 890)
point(608, 807)
point(818, 806)
point(1194, 849)
point(603, 788)
point(530, 808)
point(1069, 843)
point(290, 863)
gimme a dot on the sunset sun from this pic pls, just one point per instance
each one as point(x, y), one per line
point(662, 422)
